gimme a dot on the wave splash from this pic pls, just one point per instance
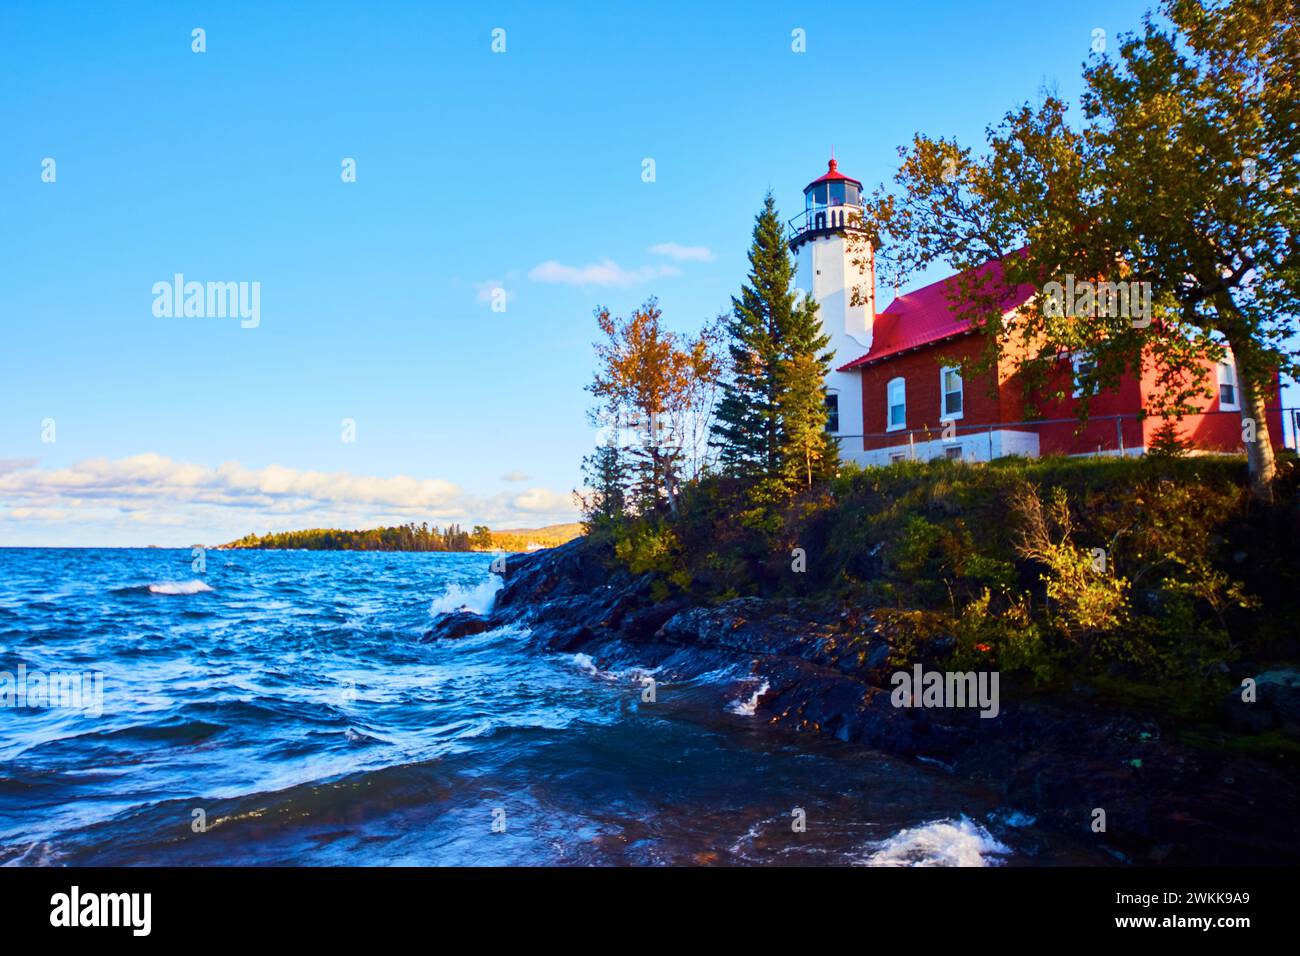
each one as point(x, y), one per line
point(940, 843)
point(478, 598)
point(179, 587)
point(747, 708)
point(585, 663)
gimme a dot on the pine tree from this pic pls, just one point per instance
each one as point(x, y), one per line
point(1168, 442)
point(770, 425)
point(747, 424)
point(808, 452)
point(607, 478)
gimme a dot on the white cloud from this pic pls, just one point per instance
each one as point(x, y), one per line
point(605, 272)
point(542, 500)
point(147, 498)
point(36, 514)
point(152, 476)
point(515, 475)
point(682, 253)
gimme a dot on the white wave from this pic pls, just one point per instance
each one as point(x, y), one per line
point(38, 854)
point(940, 843)
point(747, 708)
point(478, 599)
point(585, 663)
point(749, 836)
point(179, 587)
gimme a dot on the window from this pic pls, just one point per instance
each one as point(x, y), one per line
point(950, 386)
point(896, 456)
point(833, 412)
point(1228, 385)
point(953, 451)
point(896, 402)
point(1083, 365)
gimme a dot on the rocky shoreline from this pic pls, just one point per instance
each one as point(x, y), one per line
point(828, 670)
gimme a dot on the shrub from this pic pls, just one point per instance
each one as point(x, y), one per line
point(998, 564)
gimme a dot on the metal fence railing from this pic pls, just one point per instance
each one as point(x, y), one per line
point(1120, 434)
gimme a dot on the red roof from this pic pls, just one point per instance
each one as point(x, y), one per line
point(928, 315)
point(833, 175)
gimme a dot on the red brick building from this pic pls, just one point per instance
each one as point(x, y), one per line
point(897, 390)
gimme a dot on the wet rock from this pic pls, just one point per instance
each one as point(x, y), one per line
point(454, 624)
point(828, 668)
point(575, 568)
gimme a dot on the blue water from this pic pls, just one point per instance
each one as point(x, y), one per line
point(280, 708)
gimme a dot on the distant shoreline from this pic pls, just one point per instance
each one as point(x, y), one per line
point(234, 547)
point(411, 537)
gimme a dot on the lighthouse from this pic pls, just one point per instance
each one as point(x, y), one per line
point(835, 264)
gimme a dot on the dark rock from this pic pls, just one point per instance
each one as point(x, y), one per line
point(575, 568)
point(455, 624)
point(828, 671)
point(1276, 704)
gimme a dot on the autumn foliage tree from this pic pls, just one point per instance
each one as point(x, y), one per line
point(653, 387)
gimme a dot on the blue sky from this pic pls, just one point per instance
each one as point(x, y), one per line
point(474, 169)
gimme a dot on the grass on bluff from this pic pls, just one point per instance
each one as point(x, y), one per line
point(1156, 579)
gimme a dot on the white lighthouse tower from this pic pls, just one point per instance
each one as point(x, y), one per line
point(833, 261)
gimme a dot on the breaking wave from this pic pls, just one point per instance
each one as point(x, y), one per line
point(585, 663)
point(478, 599)
point(178, 587)
point(747, 708)
point(940, 843)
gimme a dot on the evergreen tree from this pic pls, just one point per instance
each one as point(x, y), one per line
point(770, 424)
point(809, 453)
point(607, 479)
point(746, 426)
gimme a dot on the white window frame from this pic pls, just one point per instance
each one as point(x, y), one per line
point(944, 415)
point(901, 382)
point(1229, 365)
point(1077, 359)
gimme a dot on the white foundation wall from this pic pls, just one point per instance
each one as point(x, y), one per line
point(976, 446)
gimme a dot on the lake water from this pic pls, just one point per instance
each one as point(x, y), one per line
point(280, 708)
